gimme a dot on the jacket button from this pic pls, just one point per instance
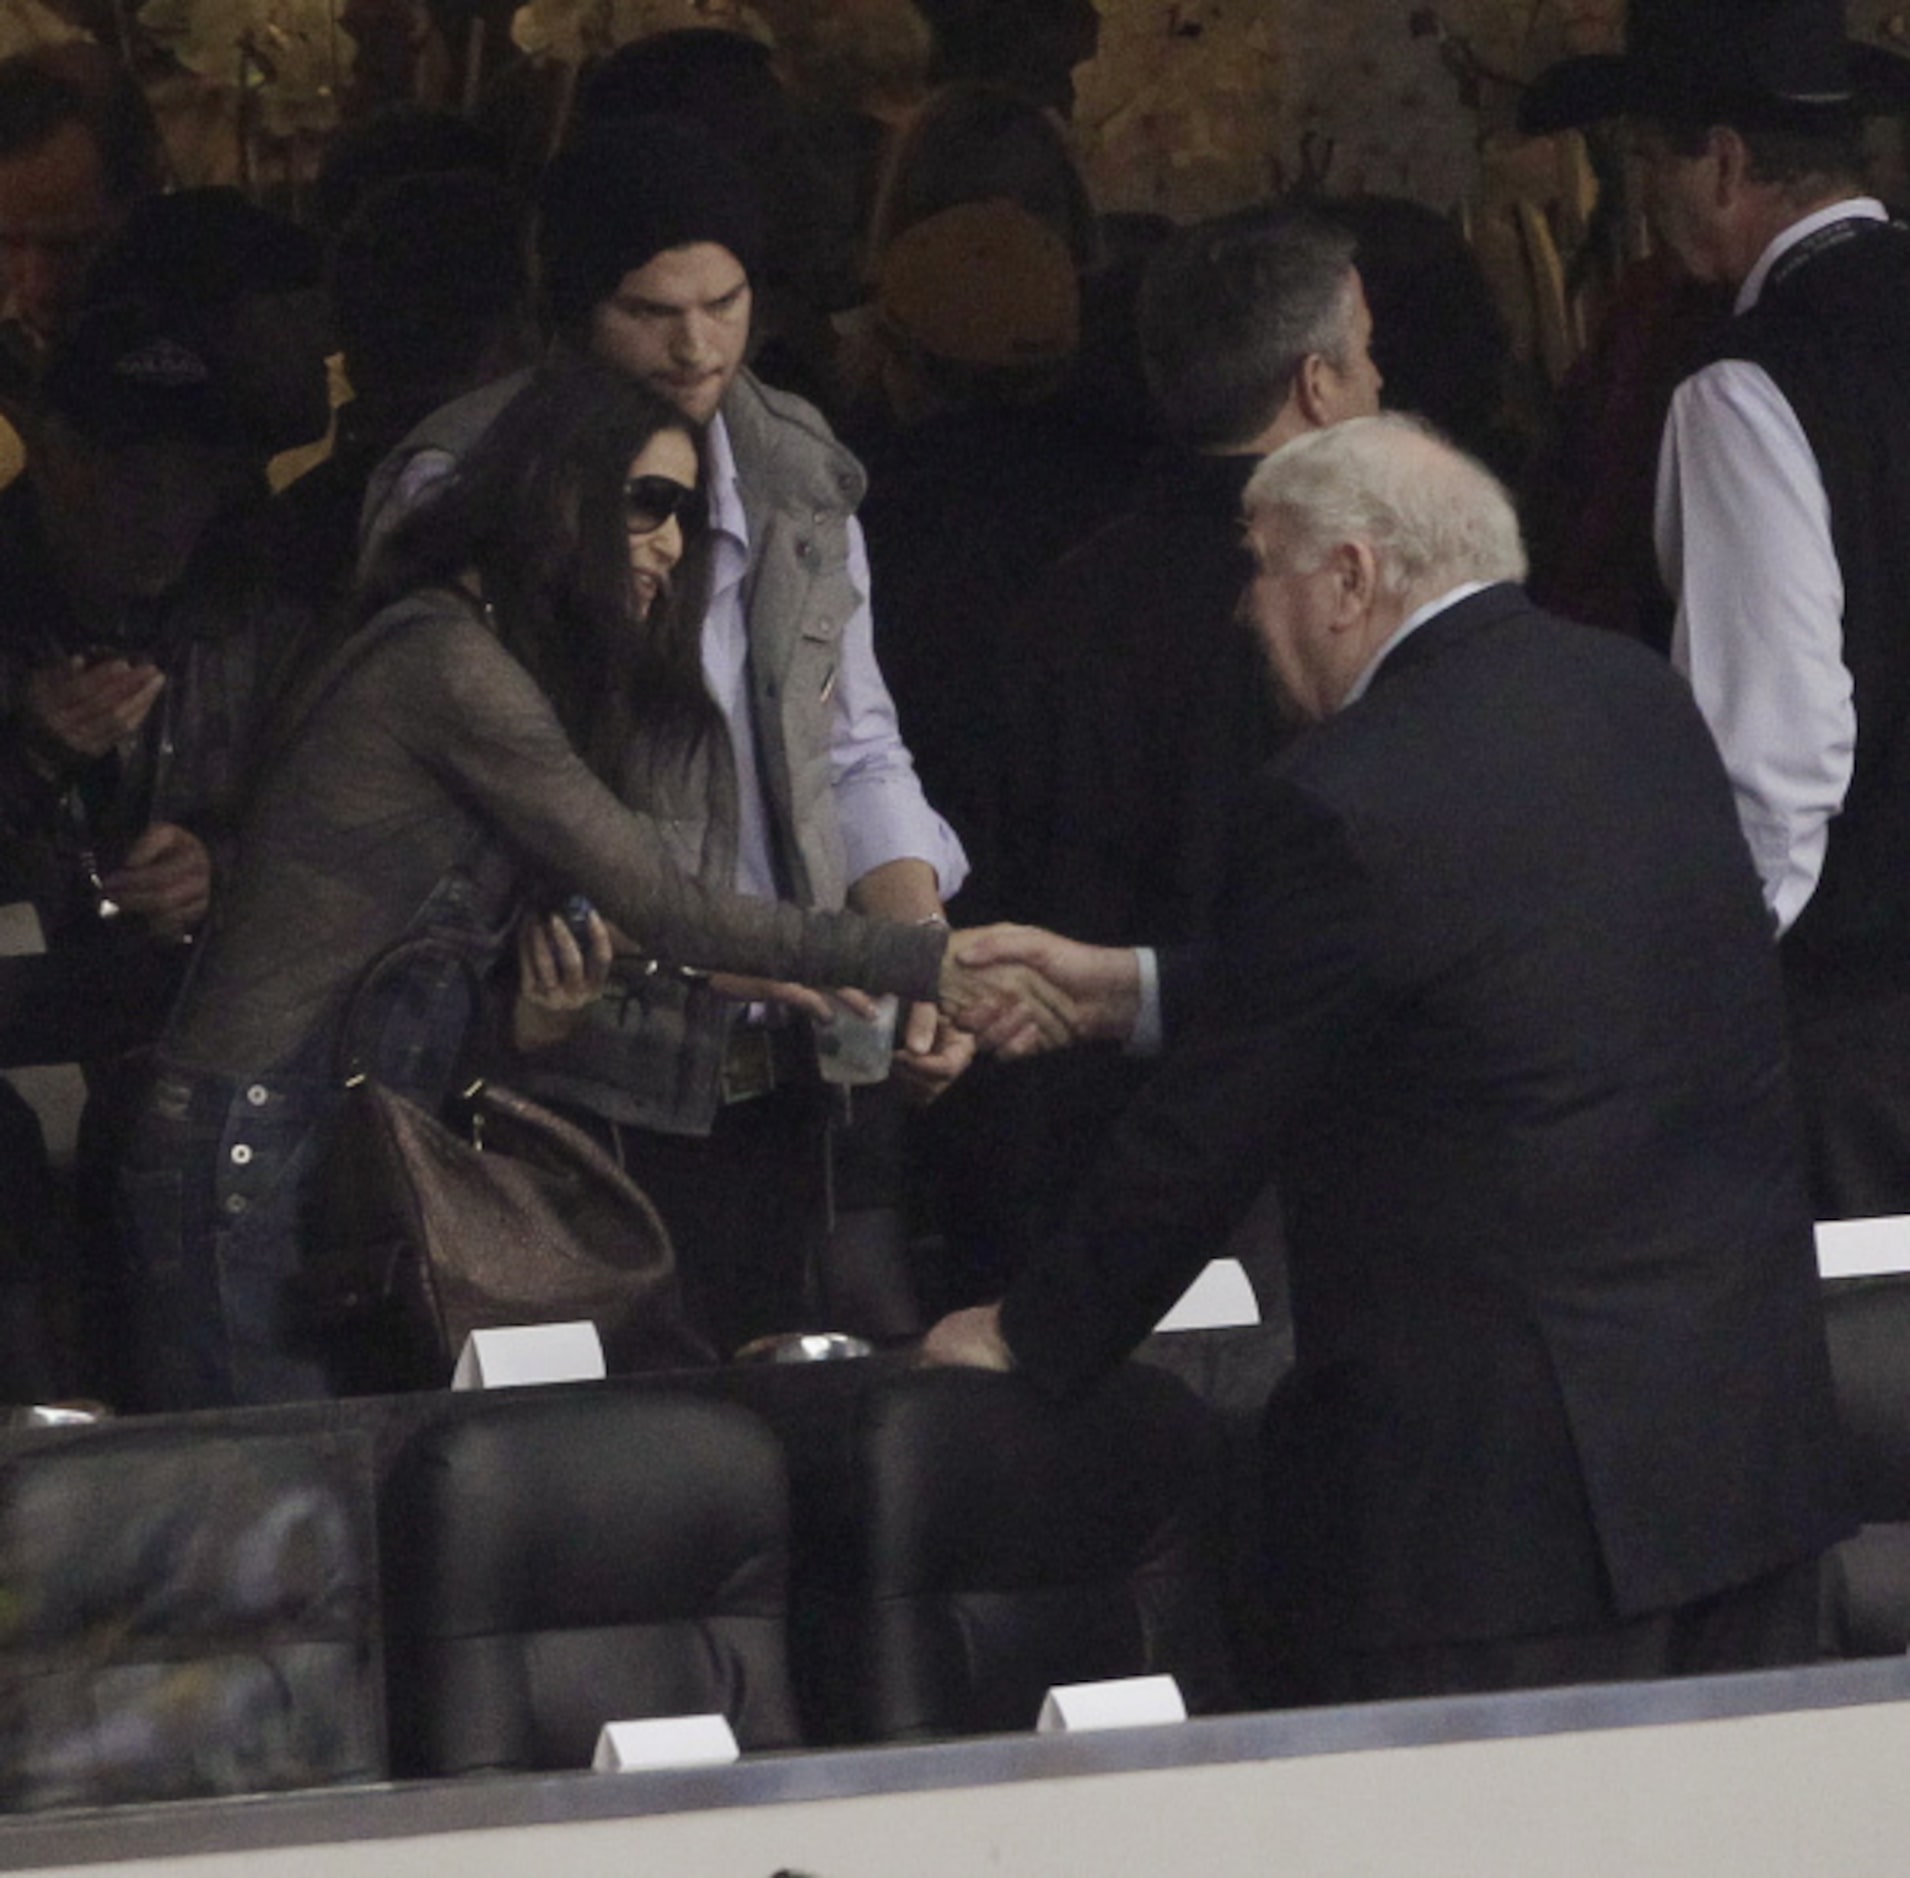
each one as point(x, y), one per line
point(241, 1156)
point(258, 1095)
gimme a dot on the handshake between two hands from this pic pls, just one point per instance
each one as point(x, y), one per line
point(1013, 991)
point(1021, 990)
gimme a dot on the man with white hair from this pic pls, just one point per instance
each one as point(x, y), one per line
point(1495, 1006)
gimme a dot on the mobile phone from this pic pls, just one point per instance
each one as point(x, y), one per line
point(575, 910)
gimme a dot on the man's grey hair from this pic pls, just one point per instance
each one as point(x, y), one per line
point(1432, 515)
point(1229, 311)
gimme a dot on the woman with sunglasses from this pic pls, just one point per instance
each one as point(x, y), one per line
point(565, 956)
point(527, 667)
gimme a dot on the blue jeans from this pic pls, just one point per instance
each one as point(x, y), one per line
point(222, 1190)
point(218, 1191)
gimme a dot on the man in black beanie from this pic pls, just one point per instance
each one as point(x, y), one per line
point(649, 241)
point(649, 237)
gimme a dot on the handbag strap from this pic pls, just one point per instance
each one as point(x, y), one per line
point(348, 1060)
point(430, 937)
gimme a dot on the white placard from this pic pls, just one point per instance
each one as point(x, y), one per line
point(55, 1091)
point(1219, 1299)
point(631, 1747)
point(528, 1353)
point(1123, 1702)
point(20, 934)
point(1863, 1248)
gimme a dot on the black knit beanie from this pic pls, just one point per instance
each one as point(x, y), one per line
point(627, 190)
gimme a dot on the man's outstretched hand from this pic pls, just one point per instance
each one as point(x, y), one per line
point(1008, 1007)
point(1024, 990)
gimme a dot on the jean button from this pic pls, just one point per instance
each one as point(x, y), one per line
point(241, 1155)
point(258, 1095)
point(236, 1203)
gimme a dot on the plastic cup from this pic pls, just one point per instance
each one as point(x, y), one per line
point(854, 1050)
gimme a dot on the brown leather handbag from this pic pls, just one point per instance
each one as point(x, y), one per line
point(497, 1213)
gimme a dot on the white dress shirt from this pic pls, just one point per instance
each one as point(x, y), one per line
point(1744, 543)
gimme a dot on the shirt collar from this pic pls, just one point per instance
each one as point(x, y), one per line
point(1431, 610)
point(1851, 209)
point(727, 515)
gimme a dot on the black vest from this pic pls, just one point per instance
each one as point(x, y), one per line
point(1832, 327)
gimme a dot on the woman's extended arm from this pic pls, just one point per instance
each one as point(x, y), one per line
point(473, 715)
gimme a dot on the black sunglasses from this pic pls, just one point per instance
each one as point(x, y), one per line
point(651, 501)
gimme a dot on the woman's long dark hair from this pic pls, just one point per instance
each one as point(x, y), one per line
point(536, 511)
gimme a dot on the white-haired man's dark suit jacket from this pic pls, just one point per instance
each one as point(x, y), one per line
point(1497, 1007)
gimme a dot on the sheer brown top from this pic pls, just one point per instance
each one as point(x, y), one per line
point(429, 738)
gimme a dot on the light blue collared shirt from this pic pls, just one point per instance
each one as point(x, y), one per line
point(879, 802)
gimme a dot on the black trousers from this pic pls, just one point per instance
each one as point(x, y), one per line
point(1770, 1623)
point(787, 1216)
point(747, 1207)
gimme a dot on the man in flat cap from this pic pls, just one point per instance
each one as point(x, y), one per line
point(1783, 514)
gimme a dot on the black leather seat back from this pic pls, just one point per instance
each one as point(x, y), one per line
point(556, 1562)
point(966, 1543)
point(1868, 1577)
point(1867, 1322)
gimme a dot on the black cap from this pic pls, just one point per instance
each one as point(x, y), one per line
point(130, 371)
point(1755, 64)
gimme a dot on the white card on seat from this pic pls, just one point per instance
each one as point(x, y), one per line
point(55, 1091)
point(1863, 1248)
point(21, 936)
point(1122, 1702)
point(631, 1747)
point(527, 1353)
point(1220, 1298)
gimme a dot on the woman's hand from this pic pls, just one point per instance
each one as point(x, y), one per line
point(797, 997)
point(557, 978)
